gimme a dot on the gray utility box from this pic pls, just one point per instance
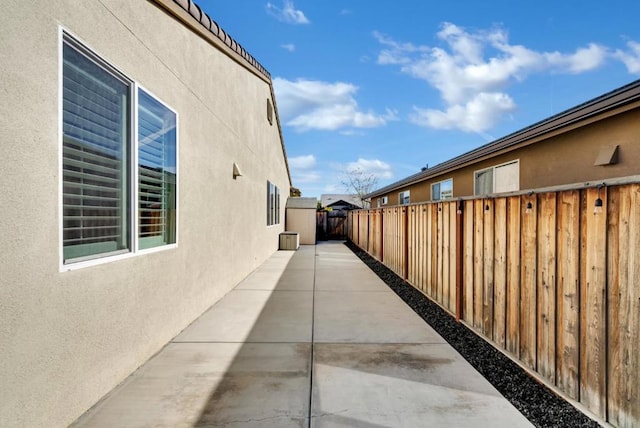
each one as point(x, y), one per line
point(289, 241)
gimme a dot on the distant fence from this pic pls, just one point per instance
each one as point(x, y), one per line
point(541, 275)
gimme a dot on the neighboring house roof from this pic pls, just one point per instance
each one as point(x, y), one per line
point(302, 203)
point(617, 98)
point(332, 199)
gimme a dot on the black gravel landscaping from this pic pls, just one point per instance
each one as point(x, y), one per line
point(533, 399)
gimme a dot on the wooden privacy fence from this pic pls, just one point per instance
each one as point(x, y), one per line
point(541, 275)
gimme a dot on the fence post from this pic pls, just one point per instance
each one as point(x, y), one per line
point(382, 235)
point(459, 258)
point(405, 235)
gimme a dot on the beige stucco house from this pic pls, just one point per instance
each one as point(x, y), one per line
point(144, 175)
point(593, 142)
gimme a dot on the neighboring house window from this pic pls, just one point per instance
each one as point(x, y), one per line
point(273, 204)
point(385, 200)
point(404, 198)
point(498, 179)
point(100, 148)
point(442, 190)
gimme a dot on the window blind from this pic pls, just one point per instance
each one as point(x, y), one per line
point(156, 172)
point(95, 157)
point(484, 182)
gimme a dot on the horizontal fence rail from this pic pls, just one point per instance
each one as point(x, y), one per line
point(551, 278)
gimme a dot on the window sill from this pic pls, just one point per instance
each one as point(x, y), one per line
point(109, 259)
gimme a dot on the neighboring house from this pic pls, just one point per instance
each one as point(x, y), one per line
point(595, 141)
point(143, 176)
point(340, 202)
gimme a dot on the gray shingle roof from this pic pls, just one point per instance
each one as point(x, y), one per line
point(302, 203)
point(330, 199)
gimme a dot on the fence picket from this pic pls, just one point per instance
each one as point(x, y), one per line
point(546, 286)
point(514, 207)
point(592, 306)
point(568, 293)
point(500, 272)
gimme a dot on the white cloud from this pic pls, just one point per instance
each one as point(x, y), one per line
point(302, 162)
point(312, 104)
point(288, 13)
point(477, 115)
point(395, 53)
point(302, 169)
point(472, 70)
point(289, 46)
point(584, 59)
point(630, 58)
point(376, 167)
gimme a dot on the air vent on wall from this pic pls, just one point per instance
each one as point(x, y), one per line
point(269, 111)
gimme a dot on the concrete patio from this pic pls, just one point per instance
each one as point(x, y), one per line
point(311, 338)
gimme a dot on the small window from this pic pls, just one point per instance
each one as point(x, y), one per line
point(404, 198)
point(109, 124)
point(498, 179)
point(385, 200)
point(442, 190)
point(273, 204)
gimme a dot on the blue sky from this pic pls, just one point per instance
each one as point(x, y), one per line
point(389, 87)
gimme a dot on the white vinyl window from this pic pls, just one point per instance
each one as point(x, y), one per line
point(442, 190)
point(273, 204)
point(498, 179)
point(404, 198)
point(119, 170)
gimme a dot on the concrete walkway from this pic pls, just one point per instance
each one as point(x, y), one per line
point(311, 338)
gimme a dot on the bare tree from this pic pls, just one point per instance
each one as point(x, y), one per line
point(359, 183)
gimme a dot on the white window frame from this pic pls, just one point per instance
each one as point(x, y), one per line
point(402, 195)
point(133, 226)
point(439, 183)
point(384, 200)
point(493, 175)
point(273, 204)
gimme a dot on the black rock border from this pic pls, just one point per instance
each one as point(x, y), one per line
point(540, 405)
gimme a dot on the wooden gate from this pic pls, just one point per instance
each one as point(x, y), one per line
point(331, 225)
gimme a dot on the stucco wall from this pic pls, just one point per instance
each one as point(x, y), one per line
point(67, 338)
point(565, 157)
